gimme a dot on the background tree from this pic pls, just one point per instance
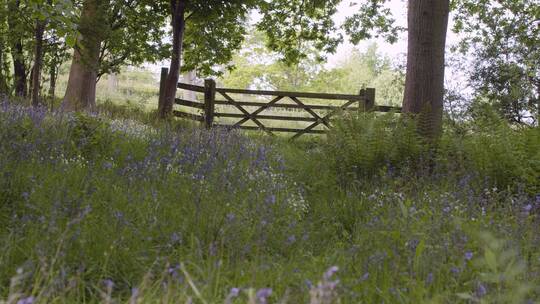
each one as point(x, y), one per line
point(294, 26)
point(41, 8)
point(427, 28)
point(112, 34)
point(501, 43)
point(92, 31)
point(360, 69)
point(223, 26)
point(18, 37)
point(56, 53)
point(424, 81)
point(287, 24)
point(4, 50)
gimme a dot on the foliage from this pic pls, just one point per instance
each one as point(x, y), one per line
point(502, 39)
point(134, 36)
point(373, 19)
point(224, 27)
point(359, 70)
point(102, 210)
point(487, 152)
point(364, 144)
point(289, 25)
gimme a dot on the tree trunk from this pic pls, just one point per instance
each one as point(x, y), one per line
point(17, 51)
point(3, 77)
point(52, 82)
point(166, 100)
point(424, 84)
point(38, 61)
point(81, 88)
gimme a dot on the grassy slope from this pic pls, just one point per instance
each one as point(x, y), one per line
point(94, 209)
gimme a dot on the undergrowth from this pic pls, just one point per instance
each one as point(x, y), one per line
point(108, 209)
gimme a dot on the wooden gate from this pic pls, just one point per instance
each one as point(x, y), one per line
point(365, 101)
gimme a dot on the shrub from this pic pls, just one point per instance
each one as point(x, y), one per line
point(362, 145)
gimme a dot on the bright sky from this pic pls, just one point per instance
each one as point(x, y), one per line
point(399, 10)
point(345, 9)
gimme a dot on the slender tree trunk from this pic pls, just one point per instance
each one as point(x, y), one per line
point(3, 76)
point(81, 88)
point(178, 9)
point(424, 84)
point(17, 51)
point(19, 68)
point(38, 61)
point(52, 82)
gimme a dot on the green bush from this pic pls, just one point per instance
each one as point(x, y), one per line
point(362, 145)
point(490, 152)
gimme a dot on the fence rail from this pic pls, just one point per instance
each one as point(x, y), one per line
point(364, 101)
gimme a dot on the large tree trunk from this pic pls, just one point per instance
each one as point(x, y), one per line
point(17, 51)
point(38, 62)
point(424, 84)
point(166, 100)
point(81, 88)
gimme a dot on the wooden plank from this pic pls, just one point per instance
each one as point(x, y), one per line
point(262, 108)
point(189, 103)
point(284, 106)
point(307, 109)
point(315, 124)
point(239, 107)
point(387, 109)
point(270, 117)
point(293, 94)
point(255, 128)
point(190, 87)
point(188, 116)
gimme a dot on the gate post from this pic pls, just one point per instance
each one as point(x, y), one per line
point(162, 80)
point(209, 99)
point(369, 98)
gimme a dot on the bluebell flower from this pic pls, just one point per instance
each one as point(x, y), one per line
point(263, 295)
point(364, 277)
point(28, 300)
point(330, 272)
point(481, 290)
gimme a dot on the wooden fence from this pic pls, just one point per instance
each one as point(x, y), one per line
point(364, 101)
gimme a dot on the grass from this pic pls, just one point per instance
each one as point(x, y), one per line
point(119, 208)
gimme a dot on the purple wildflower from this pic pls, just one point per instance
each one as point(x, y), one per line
point(107, 165)
point(291, 240)
point(481, 290)
point(263, 295)
point(231, 217)
point(175, 238)
point(28, 300)
point(109, 284)
point(134, 295)
point(364, 277)
point(468, 255)
point(271, 199)
point(330, 272)
point(455, 270)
